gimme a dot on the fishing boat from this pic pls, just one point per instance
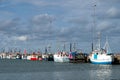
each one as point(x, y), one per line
point(18, 56)
point(32, 57)
point(76, 57)
point(61, 57)
point(102, 55)
point(50, 57)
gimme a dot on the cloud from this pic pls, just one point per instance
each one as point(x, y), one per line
point(42, 19)
point(113, 13)
point(78, 20)
point(9, 24)
point(6, 13)
point(104, 25)
point(42, 24)
point(39, 27)
point(21, 38)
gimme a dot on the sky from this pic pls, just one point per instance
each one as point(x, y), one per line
point(37, 24)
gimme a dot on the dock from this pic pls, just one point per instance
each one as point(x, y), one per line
point(116, 59)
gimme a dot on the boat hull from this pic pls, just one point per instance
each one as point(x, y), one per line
point(61, 58)
point(101, 62)
point(33, 59)
point(101, 59)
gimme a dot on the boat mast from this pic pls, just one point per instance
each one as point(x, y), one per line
point(74, 46)
point(70, 47)
point(93, 28)
point(99, 41)
point(64, 46)
point(49, 36)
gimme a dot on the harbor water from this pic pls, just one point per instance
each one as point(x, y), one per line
point(47, 70)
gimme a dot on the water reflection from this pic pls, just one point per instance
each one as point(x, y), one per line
point(57, 76)
point(101, 72)
point(28, 70)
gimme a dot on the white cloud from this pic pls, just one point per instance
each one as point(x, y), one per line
point(21, 38)
point(103, 25)
point(113, 12)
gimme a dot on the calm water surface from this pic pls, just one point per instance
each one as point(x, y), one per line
point(37, 70)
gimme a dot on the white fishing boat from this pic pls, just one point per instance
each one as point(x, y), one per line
point(102, 55)
point(61, 57)
point(3, 55)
